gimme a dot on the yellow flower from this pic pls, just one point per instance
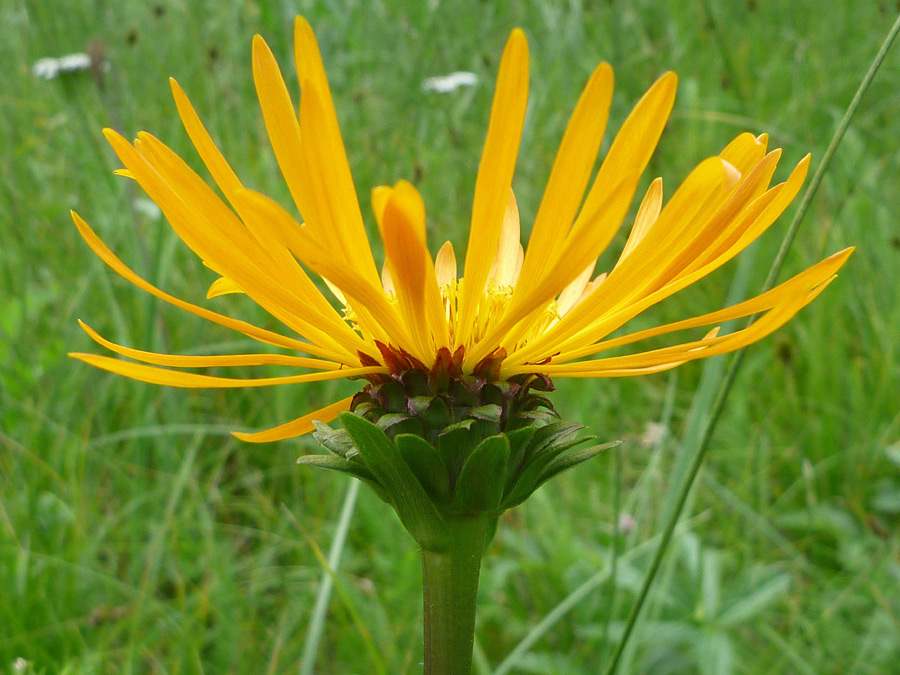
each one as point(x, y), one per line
point(536, 311)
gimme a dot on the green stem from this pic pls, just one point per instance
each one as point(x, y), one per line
point(450, 586)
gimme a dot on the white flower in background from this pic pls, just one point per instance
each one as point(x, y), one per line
point(443, 84)
point(50, 67)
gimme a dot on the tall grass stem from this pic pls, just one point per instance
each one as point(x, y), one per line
point(736, 362)
point(323, 597)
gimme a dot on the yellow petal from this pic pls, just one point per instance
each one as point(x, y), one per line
point(669, 357)
point(572, 293)
point(221, 171)
point(692, 197)
point(647, 214)
point(329, 184)
point(758, 216)
point(504, 268)
point(569, 177)
point(628, 156)
point(388, 281)
point(498, 161)
point(311, 75)
point(380, 195)
point(291, 275)
point(736, 238)
point(605, 206)
point(681, 244)
point(808, 279)
point(222, 286)
point(213, 231)
point(261, 334)
point(299, 426)
point(180, 361)
point(281, 123)
point(745, 151)
point(175, 378)
point(372, 307)
point(445, 265)
point(418, 294)
point(523, 307)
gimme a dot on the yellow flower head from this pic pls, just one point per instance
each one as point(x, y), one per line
point(538, 311)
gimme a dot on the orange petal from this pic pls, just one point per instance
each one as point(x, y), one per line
point(412, 270)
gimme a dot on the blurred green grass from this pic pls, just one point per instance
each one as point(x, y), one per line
point(137, 536)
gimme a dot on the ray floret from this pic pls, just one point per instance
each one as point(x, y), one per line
point(516, 316)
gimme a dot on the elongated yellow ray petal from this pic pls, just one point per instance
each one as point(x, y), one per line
point(261, 334)
point(203, 218)
point(495, 172)
point(809, 278)
point(745, 151)
point(668, 249)
point(569, 177)
point(174, 378)
point(628, 156)
point(647, 214)
point(752, 222)
point(572, 293)
point(330, 185)
point(747, 232)
point(672, 356)
point(190, 361)
point(324, 126)
point(506, 265)
point(418, 295)
point(518, 317)
point(212, 230)
point(757, 217)
point(602, 212)
point(297, 427)
point(445, 265)
point(388, 281)
point(221, 171)
point(291, 275)
point(691, 198)
point(222, 286)
point(380, 195)
point(378, 310)
point(282, 125)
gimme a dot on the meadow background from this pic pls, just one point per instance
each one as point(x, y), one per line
point(137, 536)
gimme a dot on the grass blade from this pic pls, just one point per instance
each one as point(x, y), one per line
point(736, 362)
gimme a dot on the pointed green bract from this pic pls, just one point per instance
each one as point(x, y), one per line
point(417, 511)
point(345, 466)
point(426, 463)
point(566, 462)
point(479, 487)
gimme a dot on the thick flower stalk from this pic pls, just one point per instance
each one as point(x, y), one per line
point(452, 427)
